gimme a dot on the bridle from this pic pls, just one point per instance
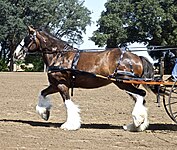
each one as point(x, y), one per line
point(34, 40)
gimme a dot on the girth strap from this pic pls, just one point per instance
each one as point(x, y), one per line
point(74, 67)
point(75, 60)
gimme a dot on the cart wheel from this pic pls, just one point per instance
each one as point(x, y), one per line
point(166, 102)
point(172, 103)
point(166, 106)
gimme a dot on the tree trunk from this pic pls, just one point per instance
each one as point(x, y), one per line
point(12, 48)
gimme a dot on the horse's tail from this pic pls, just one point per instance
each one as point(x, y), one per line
point(148, 72)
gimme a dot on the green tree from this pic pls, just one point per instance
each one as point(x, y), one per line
point(37, 62)
point(3, 65)
point(153, 22)
point(64, 18)
point(111, 31)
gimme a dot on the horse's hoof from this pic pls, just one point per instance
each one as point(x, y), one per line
point(67, 126)
point(43, 112)
point(125, 128)
point(46, 115)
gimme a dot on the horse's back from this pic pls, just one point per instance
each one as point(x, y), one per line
point(101, 62)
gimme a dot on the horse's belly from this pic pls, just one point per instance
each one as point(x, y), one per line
point(90, 82)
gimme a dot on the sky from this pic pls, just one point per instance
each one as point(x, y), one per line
point(96, 7)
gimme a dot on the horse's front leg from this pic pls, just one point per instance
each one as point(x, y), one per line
point(43, 107)
point(73, 120)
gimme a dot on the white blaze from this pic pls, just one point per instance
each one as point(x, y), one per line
point(19, 47)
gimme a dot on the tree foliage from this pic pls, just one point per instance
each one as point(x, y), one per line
point(37, 62)
point(64, 18)
point(153, 22)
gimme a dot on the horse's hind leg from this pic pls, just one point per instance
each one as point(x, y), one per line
point(139, 113)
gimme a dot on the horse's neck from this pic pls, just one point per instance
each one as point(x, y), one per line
point(58, 60)
point(48, 59)
point(49, 53)
point(54, 46)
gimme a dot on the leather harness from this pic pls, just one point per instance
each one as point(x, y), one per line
point(74, 70)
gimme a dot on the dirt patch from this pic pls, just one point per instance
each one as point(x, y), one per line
point(103, 112)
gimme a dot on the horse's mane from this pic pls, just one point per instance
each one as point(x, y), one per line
point(55, 39)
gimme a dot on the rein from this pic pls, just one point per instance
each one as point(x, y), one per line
point(73, 50)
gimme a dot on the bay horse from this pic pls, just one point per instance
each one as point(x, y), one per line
point(70, 68)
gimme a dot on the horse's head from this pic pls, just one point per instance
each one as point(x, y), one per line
point(30, 43)
point(40, 41)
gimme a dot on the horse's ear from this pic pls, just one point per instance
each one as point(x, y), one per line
point(31, 30)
